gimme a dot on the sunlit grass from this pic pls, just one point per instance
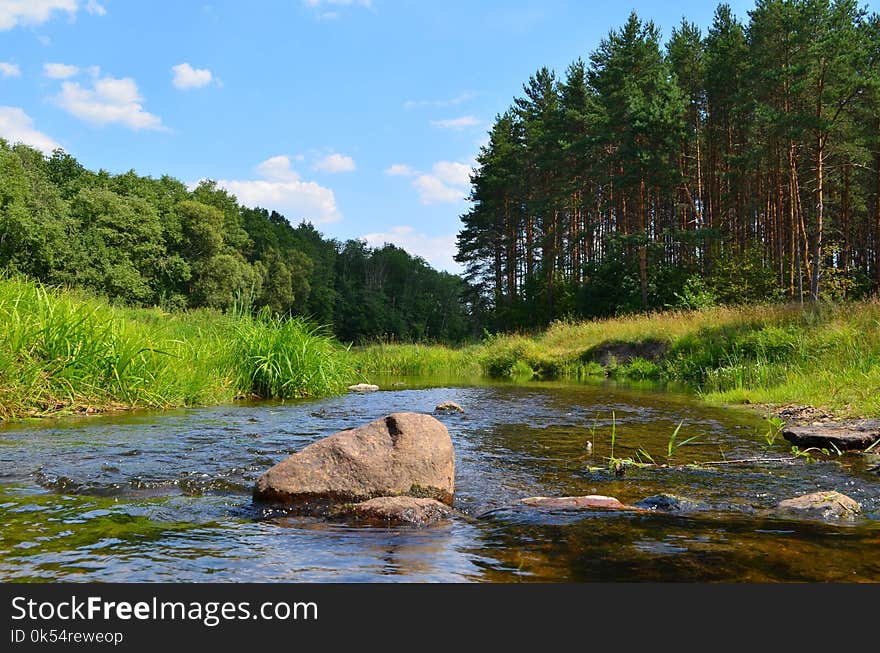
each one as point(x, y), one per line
point(63, 351)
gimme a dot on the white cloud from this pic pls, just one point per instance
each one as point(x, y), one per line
point(433, 191)
point(94, 7)
point(277, 168)
point(9, 69)
point(185, 76)
point(447, 182)
point(334, 163)
point(35, 12)
point(59, 70)
point(282, 190)
point(452, 172)
point(436, 250)
point(400, 170)
point(18, 127)
point(457, 123)
point(451, 102)
point(110, 100)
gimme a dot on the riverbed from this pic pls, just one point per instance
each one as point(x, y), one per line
point(166, 496)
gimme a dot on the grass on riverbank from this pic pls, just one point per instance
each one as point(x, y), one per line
point(827, 356)
point(66, 351)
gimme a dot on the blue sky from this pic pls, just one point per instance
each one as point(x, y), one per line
point(363, 116)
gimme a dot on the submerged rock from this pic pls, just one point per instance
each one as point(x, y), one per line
point(363, 387)
point(821, 505)
point(588, 502)
point(399, 510)
point(400, 454)
point(448, 407)
point(671, 503)
point(859, 435)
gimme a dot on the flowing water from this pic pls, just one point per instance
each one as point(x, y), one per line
point(167, 496)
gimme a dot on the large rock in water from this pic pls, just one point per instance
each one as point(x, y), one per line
point(400, 454)
point(843, 435)
point(821, 505)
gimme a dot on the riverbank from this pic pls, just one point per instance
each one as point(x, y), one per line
point(826, 356)
point(68, 352)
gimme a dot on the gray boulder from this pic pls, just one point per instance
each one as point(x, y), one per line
point(400, 454)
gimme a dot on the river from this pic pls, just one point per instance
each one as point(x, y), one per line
point(166, 496)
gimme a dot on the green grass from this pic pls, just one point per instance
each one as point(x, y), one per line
point(827, 356)
point(416, 360)
point(65, 351)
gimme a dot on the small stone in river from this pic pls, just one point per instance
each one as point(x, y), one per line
point(588, 502)
point(448, 407)
point(399, 510)
point(363, 387)
point(821, 505)
point(670, 503)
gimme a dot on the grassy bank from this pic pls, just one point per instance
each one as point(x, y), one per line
point(826, 356)
point(64, 351)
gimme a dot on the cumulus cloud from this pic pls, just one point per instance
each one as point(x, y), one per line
point(186, 77)
point(450, 102)
point(35, 12)
point(59, 70)
point(277, 168)
point(282, 190)
point(432, 190)
point(453, 172)
point(18, 127)
point(456, 124)
point(447, 182)
point(334, 163)
point(110, 100)
point(436, 250)
point(400, 170)
point(9, 69)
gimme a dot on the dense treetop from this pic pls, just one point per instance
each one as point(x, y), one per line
point(738, 165)
point(142, 241)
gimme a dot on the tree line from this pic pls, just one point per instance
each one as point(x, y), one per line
point(153, 242)
point(738, 165)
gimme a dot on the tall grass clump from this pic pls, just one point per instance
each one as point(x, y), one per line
point(281, 358)
point(66, 351)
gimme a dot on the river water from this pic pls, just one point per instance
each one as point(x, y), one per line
point(157, 497)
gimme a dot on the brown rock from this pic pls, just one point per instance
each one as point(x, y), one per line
point(400, 454)
point(399, 510)
point(843, 435)
point(821, 505)
point(448, 407)
point(588, 502)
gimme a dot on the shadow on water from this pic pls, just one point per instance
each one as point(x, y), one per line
point(166, 496)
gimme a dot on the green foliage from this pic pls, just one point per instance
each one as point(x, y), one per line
point(286, 358)
point(151, 242)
